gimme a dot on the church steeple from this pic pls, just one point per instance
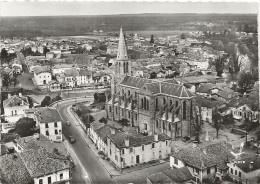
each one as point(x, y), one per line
point(121, 51)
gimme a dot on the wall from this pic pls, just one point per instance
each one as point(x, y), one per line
point(52, 136)
point(54, 177)
point(19, 111)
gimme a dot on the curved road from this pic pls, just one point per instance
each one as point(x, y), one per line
point(95, 170)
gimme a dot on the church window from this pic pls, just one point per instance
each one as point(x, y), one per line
point(170, 102)
point(164, 101)
point(170, 127)
point(127, 67)
point(147, 105)
point(156, 104)
point(176, 104)
point(142, 103)
point(124, 68)
point(144, 107)
point(184, 110)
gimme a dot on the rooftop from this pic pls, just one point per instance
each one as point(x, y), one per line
point(135, 139)
point(40, 69)
point(15, 101)
point(47, 115)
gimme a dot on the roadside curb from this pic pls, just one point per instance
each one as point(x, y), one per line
point(87, 142)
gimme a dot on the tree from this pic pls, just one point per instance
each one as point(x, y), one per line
point(197, 125)
point(123, 122)
point(45, 50)
point(56, 98)
point(25, 127)
point(6, 80)
point(46, 101)
point(103, 120)
point(219, 65)
point(246, 28)
point(4, 53)
point(183, 36)
point(245, 82)
point(14, 79)
point(217, 121)
point(152, 39)
point(87, 119)
point(96, 97)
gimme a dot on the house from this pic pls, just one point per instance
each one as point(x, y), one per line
point(37, 141)
point(34, 166)
point(245, 170)
point(243, 107)
point(42, 75)
point(171, 176)
point(49, 122)
point(14, 107)
point(205, 161)
point(207, 107)
point(98, 134)
point(129, 149)
point(17, 66)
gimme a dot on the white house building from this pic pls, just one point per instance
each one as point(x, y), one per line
point(14, 107)
point(245, 170)
point(42, 75)
point(50, 123)
point(130, 149)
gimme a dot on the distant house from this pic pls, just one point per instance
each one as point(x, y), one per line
point(130, 149)
point(14, 107)
point(173, 176)
point(245, 170)
point(204, 161)
point(42, 75)
point(35, 166)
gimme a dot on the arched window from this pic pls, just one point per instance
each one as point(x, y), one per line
point(127, 67)
point(157, 123)
point(170, 102)
point(164, 101)
point(124, 68)
point(156, 104)
point(147, 105)
point(170, 127)
point(144, 103)
point(176, 104)
point(128, 92)
point(184, 110)
point(119, 68)
point(163, 125)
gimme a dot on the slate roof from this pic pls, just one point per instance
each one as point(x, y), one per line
point(136, 82)
point(170, 87)
point(204, 88)
point(47, 115)
point(244, 165)
point(206, 156)
point(73, 72)
point(135, 139)
point(13, 170)
point(15, 101)
point(40, 69)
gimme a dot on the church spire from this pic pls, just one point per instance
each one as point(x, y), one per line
point(121, 51)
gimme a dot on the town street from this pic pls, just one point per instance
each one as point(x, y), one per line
point(95, 171)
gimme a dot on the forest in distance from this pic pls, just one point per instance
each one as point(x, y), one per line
point(84, 25)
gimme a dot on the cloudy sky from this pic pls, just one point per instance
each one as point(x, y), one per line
point(51, 8)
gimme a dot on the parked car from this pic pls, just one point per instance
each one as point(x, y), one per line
point(68, 123)
point(72, 139)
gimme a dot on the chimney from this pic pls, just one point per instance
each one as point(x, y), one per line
point(155, 137)
point(9, 95)
point(36, 136)
point(20, 95)
point(127, 142)
point(251, 165)
point(113, 131)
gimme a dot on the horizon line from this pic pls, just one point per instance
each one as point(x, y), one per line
point(127, 14)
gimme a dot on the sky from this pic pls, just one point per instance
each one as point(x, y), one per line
point(50, 8)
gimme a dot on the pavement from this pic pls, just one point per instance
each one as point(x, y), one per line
point(89, 163)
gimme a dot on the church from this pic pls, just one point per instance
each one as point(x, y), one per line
point(152, 106)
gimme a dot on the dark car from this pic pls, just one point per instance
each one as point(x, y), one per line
point(72, 139)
